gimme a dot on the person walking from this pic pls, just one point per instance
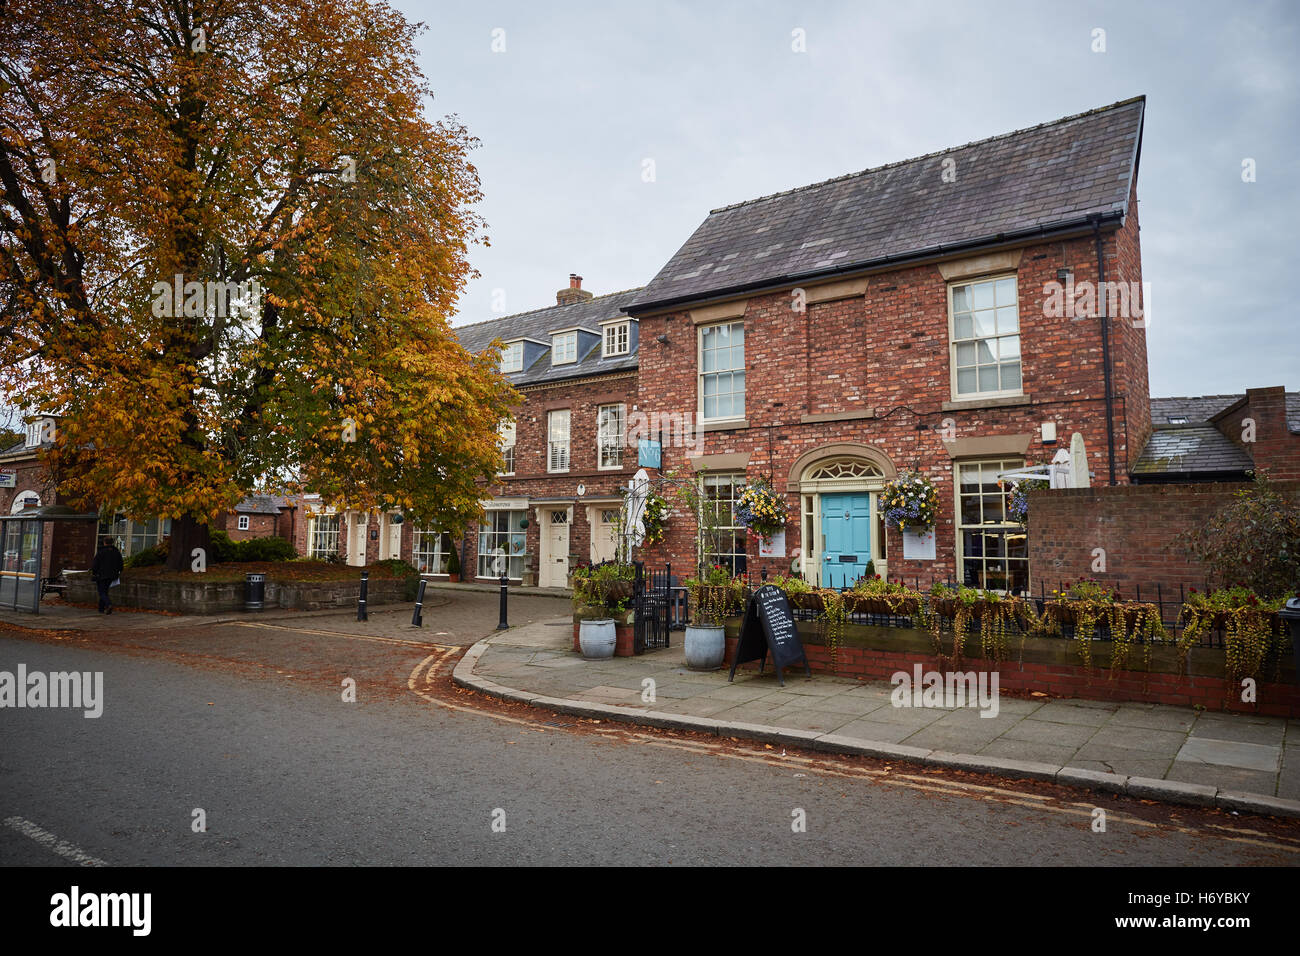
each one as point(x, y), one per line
point(105, 569)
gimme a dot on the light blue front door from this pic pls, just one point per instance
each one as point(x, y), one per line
point(846, 536)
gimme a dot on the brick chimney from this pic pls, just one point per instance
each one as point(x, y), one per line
point(574, 293)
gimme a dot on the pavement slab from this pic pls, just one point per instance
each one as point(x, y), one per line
point(1176, 753)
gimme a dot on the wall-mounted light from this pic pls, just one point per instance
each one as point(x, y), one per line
point(662, 338)
point(1064, 275)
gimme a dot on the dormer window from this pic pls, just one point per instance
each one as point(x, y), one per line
point(41, 430)
point(1177, 420)
point(616, 340)
point(512, 357)
point(564, 348)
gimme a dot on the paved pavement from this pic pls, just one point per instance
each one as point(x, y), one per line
point(1171, 753)
point(452, 615)
point(286, 772)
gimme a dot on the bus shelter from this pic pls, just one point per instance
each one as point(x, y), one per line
point(22, 554)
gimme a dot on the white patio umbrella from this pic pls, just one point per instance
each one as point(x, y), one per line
point(1079, 476)
point(634, 508)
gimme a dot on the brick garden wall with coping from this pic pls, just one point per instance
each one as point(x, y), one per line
point(1136, 525)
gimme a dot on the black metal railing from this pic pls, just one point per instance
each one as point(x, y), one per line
point(1168, 603)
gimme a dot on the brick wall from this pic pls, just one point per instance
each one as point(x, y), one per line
point(1135, 525)
point(66, 544)
point(531, 479)
point(259, 526)
point(884, 357)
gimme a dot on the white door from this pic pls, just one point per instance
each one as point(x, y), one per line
point(604, 534)
point(554, 569)
point(390, 539)
point(357, 527)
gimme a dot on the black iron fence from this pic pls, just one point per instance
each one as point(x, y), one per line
point(1168, 603)
point(660, 600)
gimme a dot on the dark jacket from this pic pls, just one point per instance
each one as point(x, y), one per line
point(107, 565)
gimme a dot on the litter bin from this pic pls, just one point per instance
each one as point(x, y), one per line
point(254, 591)
point(1290, 612)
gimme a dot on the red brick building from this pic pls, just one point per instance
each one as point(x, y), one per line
point(909, 317)
point(556, 505)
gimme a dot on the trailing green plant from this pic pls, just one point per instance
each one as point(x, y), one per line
point(832, 621)
point(1253, 540)
point(878, 596)
point(714, 596)
point(1088, 603)
point(603, 587)
point(1252, 630)
point(791, 584)
point(996, 613)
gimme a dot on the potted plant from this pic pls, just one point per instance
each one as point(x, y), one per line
point(453, 566)
point(875, 595)
point(600, 594)
point(798, 592)
point(712, 597)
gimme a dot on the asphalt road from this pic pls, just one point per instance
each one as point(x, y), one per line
point(259, 738)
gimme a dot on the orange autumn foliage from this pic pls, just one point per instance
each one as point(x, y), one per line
point(236, 142)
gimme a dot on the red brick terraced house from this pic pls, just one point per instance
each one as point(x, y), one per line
point(557, 504)
point(902, 317)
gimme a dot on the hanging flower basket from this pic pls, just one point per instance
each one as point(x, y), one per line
point(911, 502)
point(655, 517)
point(1018, 502)
point(760, 510)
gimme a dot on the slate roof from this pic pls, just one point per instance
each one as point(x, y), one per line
point(261, 505)
point(539, 323)
point(1023, 183)
point(1190, 449)
point(1293, 412)
point(1196, 410)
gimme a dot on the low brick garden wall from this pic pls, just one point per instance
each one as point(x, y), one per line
point(205, 597)
point(1048, 665)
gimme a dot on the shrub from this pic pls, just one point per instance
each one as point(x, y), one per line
point(265, 549)
point(1254, 541)
point(148, 557)
point(225, 551)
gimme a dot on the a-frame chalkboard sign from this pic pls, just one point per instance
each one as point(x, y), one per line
point(769, 625)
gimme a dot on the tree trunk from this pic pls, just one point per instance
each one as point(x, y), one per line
point(187, 534)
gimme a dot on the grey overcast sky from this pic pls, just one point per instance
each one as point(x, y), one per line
point(717, 97)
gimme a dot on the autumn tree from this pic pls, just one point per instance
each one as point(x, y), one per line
point(230, 240)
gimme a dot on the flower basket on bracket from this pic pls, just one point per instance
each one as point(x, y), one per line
point(911, 502)
point(760, 510)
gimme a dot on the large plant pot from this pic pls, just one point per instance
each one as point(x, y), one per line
point(705, 647)
point(597, 639)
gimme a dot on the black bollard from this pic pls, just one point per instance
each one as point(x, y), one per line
point(501, 624)
point(416, 619)
point(361, 601)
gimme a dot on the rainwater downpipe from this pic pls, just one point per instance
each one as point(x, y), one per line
point(1105, 349)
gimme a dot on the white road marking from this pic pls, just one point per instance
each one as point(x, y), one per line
point(53, 843)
